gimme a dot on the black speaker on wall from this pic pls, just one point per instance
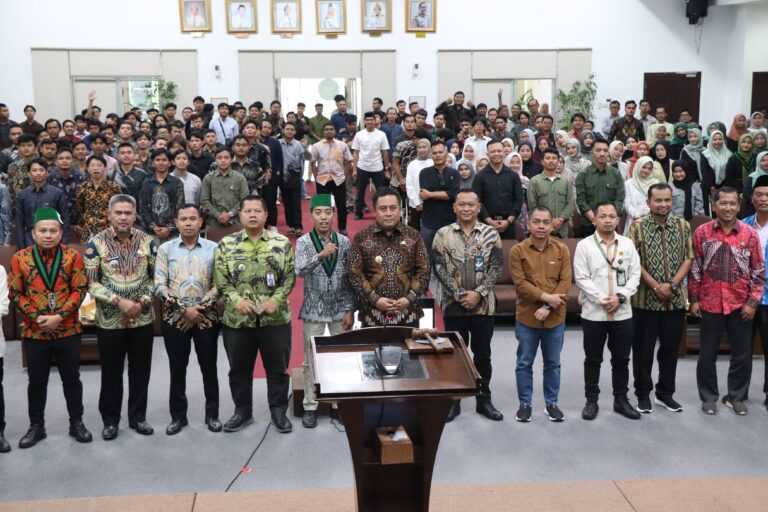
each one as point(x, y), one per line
point(695, 10)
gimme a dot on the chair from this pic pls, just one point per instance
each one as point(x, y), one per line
point(216, 233)
point(698, 220)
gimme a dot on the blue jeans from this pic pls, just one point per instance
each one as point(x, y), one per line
point(528, 339)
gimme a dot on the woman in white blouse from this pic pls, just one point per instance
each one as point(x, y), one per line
point(635, 201)
point(423, 148)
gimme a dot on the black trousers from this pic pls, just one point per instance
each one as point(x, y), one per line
point(269, 192)
point(713, 326)
point(114, 346)
point(242, 347)
point(178, 345)
point(667, 326)
point(477, 331)
point(619, 337)
point(363, 179)
point(339, 193)
point(41, 356)
point(585, 231)
point(761, 325)
point(291, 198)
point(2, 398)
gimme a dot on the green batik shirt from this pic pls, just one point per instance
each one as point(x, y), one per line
point(662, 250)
point(257, 272)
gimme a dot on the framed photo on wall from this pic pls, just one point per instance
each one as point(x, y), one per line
point(195, 15)
point(376, 15)
point(420, 15)
point(241, 16)
point(331, 16)
point(286, 16)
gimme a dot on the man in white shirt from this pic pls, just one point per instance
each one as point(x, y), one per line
point(606, 267)
point(195, 19)
point(479, 138)
point(370, 160)
point(607, 122)
point(225, 127)
point(645, 116)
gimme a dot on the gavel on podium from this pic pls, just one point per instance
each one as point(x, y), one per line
point(428, 334)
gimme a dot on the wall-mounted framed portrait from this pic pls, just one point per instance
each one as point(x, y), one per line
point(376, 16)
point(195, 15)
point(420, 15)
point(286, 16)
point(241, 16)
point(331, 16)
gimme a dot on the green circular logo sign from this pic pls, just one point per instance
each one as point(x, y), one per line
point(328, 89)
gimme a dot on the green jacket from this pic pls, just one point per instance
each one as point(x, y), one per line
point(593, 186)
point(557, 195)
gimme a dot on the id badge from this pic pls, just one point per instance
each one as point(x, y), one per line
point(270, 280)
point(621, 277)
point(479, 263)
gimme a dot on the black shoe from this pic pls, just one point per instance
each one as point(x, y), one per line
point(35, 434)
point(350, 209)
point(214, 425)
point(644, 405)
point(175, 426)
point(309, 419)
point(485, 407)
point(142, 427)
point(109, 433)
point(669, 403)
point(455, 411)
point(5, 446)
point(622, 406)
point(237, 422)
point(590, 410)
point(281, 421)
point(79, 432)
point(358, 216)
point(554, 413)
point(523, 413)
point(336, 415)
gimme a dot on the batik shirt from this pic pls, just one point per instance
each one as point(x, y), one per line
point(471, 263)
point(327, 292)
point(159, 202)
point(122, 269)
point(254, 168)
point(17, 179)
point(390, 265)
point(92, 206)
point(184, 278)
point(30, 294)
point(662, 250)
point(257, 272)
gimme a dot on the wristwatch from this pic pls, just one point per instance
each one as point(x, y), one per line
point(622, 299)
point(673, 286)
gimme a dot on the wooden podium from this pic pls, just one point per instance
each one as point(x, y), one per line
point(418, 399)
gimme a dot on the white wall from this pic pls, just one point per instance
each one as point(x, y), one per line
point(627, 38)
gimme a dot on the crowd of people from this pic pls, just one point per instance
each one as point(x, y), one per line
point(142, 193)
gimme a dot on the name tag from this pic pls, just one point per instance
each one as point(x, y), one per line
point(621, 277)
point(271, 280)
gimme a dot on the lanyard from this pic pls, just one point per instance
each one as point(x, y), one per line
point(615, 252)
point(329, 262)
point(48, 278)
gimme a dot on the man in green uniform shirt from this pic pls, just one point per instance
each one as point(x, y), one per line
point(254, 271)
point(553, 191)
point(598, 182)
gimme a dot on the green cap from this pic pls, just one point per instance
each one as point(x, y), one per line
point(47, 213)
point(321, 200)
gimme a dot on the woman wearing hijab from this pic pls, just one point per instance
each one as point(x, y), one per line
point(692, 152)
point(738, 128)
point(515, 162)
point(713, 126)
point(741, 164)
point(508, 145)
point(761, 170)
point(575, 162)
point(760, 139)
point(542, 143)
point(715, 160)
point(412, 188)
point(687, 199)
point(561, 137)
point(530, 166)
point(528, 136)
point(466, 173)
point(615, 155)
point(469, 152)
point(679, 140)
point(587, 140)
point(636, 188)
point(662, 164)
point(756, 121)
point(642, 149)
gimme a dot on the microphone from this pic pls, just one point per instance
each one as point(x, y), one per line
point(390, 358)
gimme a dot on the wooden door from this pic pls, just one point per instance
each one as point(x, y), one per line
point(675, 91)
point(759, 90)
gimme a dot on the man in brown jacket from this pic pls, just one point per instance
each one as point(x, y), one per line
point(541, 270)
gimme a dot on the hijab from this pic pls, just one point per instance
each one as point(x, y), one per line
point(586, 150)
point(474, 148)
point(664, 162)
point(762, 133)
point(611, 148)
point(531, 136)
point(753, 116)
point(746, 158)
point(537, 154)
point(566, 137)
point(634, 158)
point(686, 185)
point(720, 128)
point(643, 184)
point(717, 159)
point(680, 141)
point(736, 133)
point(759, 171)
point(508, 162)
point(530, 167)
point(466, 184)
point(695, 150)
point(573, 163)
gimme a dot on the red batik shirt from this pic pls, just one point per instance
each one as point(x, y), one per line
point(29, 293)
point(728, 270)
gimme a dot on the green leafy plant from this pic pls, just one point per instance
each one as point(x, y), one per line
point(159, 93)
point(525, 97)
point(580, 98)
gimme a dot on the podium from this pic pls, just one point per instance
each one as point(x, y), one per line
point(418, 399)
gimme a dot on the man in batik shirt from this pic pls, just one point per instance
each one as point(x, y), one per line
point(92, 198)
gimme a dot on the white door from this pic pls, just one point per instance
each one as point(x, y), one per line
point(487, 92)
point(107, 95)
